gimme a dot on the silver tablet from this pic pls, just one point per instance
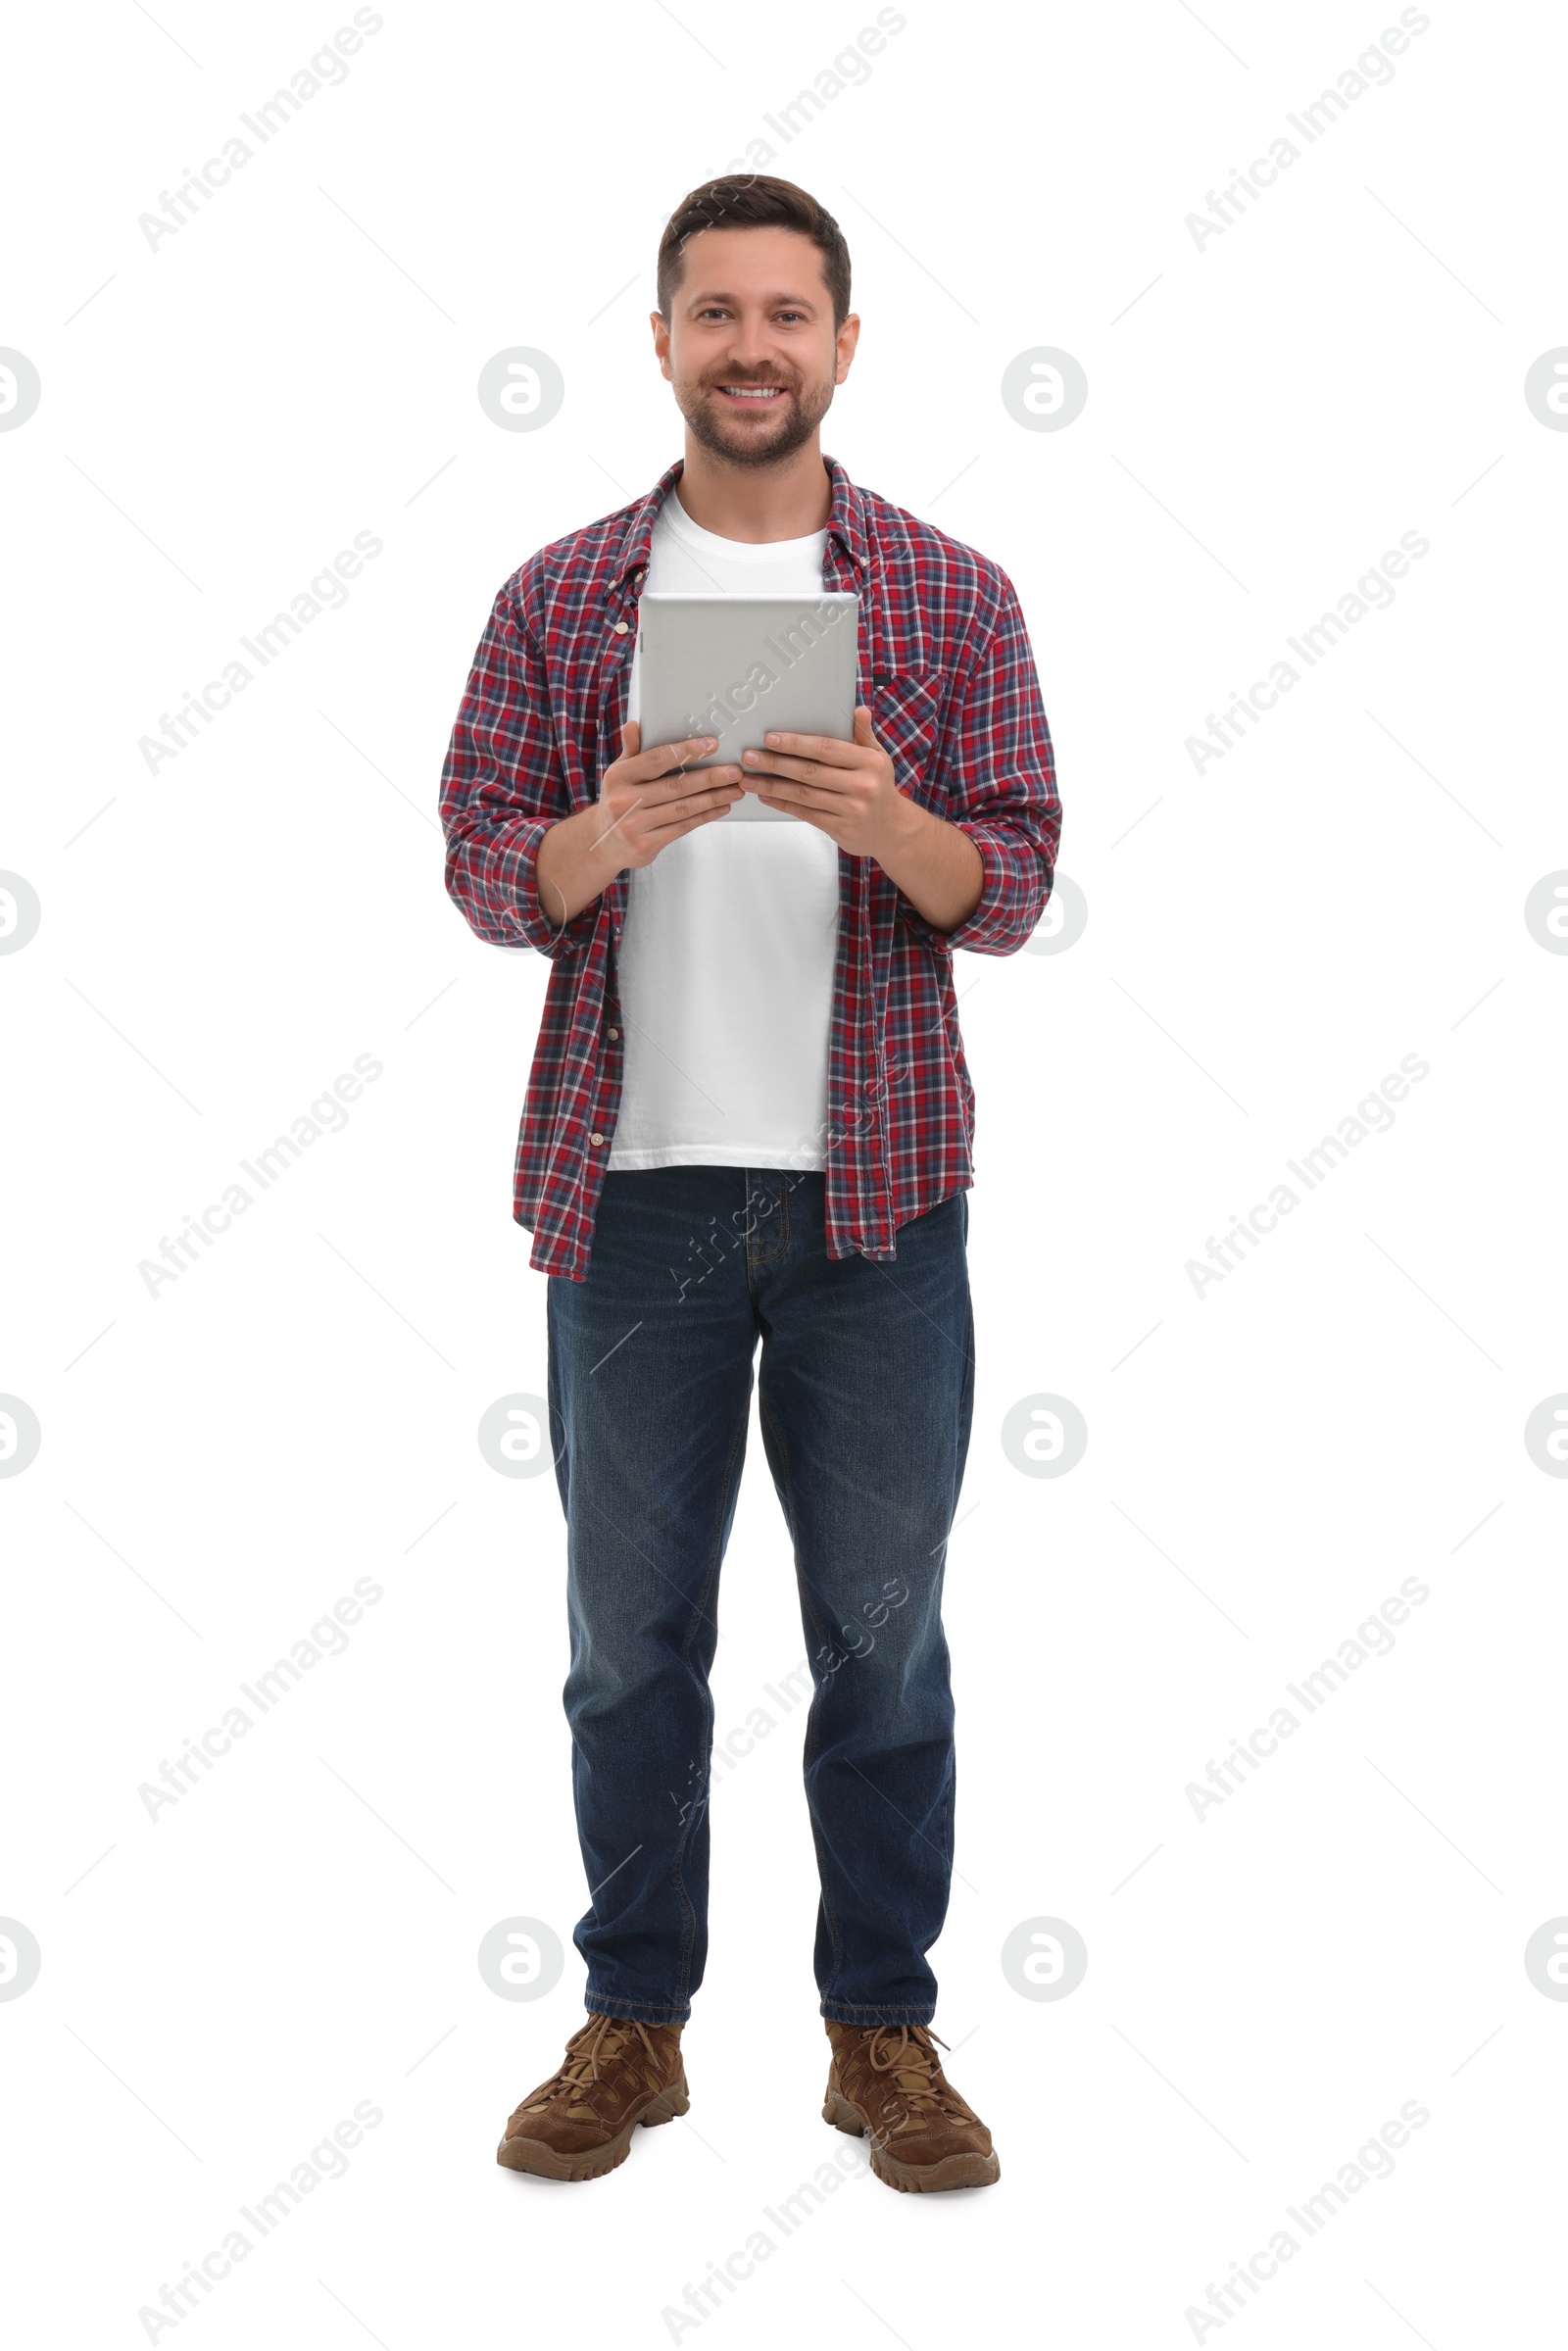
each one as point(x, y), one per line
point(737, 665)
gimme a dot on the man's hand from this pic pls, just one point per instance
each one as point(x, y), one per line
point(849, 792)
point(645, 801)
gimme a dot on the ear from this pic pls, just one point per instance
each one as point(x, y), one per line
point(661, 344)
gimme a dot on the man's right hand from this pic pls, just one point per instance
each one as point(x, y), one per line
point(645, 801)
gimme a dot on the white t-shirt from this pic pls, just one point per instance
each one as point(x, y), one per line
point(730, 935)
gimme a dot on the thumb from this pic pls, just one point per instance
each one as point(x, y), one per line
point(631, 739)
point(863, 726)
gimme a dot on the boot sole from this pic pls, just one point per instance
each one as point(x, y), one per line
point(920, 2178)
point(535, 2155)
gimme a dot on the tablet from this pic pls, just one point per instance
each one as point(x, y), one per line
point(735, 667)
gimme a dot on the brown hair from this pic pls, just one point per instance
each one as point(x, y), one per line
point(752, 200)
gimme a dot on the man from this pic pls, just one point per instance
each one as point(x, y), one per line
point(750, 1116)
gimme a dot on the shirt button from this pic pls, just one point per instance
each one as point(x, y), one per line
point(622, 628)
point(611, 1032)
point(596, 1140)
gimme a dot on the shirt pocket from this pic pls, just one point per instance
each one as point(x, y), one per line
point(905, 711)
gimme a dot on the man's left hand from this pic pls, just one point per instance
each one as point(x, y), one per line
point(847, 790)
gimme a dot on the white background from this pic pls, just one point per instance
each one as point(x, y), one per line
point(1267, 414)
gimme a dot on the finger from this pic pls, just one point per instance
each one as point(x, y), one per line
point(708, 816)
point(658, 816)
point(665, 755)
point(826, 747)
point(679, 781)
point(801, 796)
point(821, 818)
point(811, 771)
point(631, 739)
point(662, 836)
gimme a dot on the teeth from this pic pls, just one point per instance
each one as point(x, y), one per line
point(749, 392)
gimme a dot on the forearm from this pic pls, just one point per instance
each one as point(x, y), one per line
point(936, 865)
point(577, 860)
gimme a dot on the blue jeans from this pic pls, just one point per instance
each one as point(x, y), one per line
point(865, 1395)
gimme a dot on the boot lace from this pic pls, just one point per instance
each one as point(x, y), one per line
point(603, 2036)
point(913, 2068)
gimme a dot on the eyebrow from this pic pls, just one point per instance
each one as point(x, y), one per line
point(799, 302)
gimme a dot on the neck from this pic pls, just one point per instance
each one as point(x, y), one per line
point(758, 502)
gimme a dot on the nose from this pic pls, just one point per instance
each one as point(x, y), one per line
point(751, 354)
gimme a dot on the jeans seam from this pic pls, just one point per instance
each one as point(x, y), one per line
point(700, 1609)
point(642, 2011)
point(807, 1745)
point(875, 2016)
point(780, 1237)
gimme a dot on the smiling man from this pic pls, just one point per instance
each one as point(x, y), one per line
point(750, 1121)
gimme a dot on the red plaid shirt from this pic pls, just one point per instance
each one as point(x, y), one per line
point(947, 671)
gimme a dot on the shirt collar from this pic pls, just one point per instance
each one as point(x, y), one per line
point(846, 522)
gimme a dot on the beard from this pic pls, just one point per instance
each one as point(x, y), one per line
point(738, 443)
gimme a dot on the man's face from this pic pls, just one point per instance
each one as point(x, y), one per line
point(751, 350)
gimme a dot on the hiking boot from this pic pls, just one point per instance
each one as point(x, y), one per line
point(618, 2073)
point(886, 2084)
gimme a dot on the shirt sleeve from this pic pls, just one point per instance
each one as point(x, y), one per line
point(502, 788)
point(996, 763)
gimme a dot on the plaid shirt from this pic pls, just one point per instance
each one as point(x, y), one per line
point(947, 671)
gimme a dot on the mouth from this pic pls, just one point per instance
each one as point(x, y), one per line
point(750, 395)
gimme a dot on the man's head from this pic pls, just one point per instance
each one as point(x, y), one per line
point(754, 299)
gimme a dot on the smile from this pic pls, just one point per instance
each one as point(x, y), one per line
point(751, 391)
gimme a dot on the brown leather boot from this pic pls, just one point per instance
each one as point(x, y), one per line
point(886, 2084)
point(618, 2073)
